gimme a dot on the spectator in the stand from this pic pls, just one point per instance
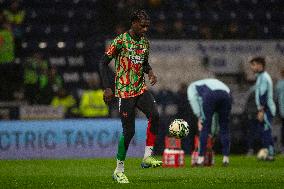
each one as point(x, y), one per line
point(15, 16)
point(232, 32)
point(6, 58)
point(160, 29)
point(92, 104)
point(49, 83)
point(178, 29)
point(205, 32)
point(66, 101)
point(280, 99)
point(34, 68)
point(6, 41)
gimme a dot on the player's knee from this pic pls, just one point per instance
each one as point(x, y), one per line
point(155, 117)
point(129, 134)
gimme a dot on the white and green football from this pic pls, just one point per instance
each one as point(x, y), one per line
point(262, 154)
point(179, 128)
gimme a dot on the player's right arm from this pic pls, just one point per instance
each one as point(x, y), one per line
point(111, 52)
point(103, 68)
point(261, 94)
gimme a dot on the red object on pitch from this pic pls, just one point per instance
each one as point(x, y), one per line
point(173, 158)
point(173, 155)
point(209, 154)
point(172, 143)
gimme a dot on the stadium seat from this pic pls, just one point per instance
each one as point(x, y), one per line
point(58, 61)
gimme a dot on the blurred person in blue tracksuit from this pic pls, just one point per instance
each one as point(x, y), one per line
point(266, 108)
point(280, 100)
point(209, 98)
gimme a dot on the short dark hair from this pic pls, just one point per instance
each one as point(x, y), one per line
point(139, 15)
point(258, 60)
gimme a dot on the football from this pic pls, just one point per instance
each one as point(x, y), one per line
point(262, 154)
point(179, 128)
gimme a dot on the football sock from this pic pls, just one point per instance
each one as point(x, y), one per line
point(200, 160)
point(148, 151)
point(225, 159)
point(119, 166)
point(122, 149)
point(150, 136)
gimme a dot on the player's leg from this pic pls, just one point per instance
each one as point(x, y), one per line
point(207, 109)
point(146, 103)
point(127, 115)
point(267, 135)
point(224, 110)
point(252, 133)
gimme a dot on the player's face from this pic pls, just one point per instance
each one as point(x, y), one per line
point(141, 27)
point(255, 67)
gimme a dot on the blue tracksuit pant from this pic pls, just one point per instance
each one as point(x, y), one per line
point(220, 102)
point(266, 132)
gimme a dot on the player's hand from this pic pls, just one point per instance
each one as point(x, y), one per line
point(260, 116)
point(108, 95)
point(152, 77)
point(199, 124)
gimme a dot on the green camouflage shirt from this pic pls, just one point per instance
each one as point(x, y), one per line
point(129, 56)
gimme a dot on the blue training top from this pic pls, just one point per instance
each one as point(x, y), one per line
point(280, 96)
point(264, 92)
point(194, 97)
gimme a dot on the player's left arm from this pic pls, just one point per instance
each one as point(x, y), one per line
point(148, 69)
point(195, 104)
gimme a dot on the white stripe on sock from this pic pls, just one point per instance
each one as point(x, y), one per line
point(119, 166)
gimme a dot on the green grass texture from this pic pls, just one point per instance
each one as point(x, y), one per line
point(243, 172)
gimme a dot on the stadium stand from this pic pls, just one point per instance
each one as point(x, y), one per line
point(71, 34)
point(188, 70)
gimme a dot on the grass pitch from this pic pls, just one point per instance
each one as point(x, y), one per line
point(243, 172)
